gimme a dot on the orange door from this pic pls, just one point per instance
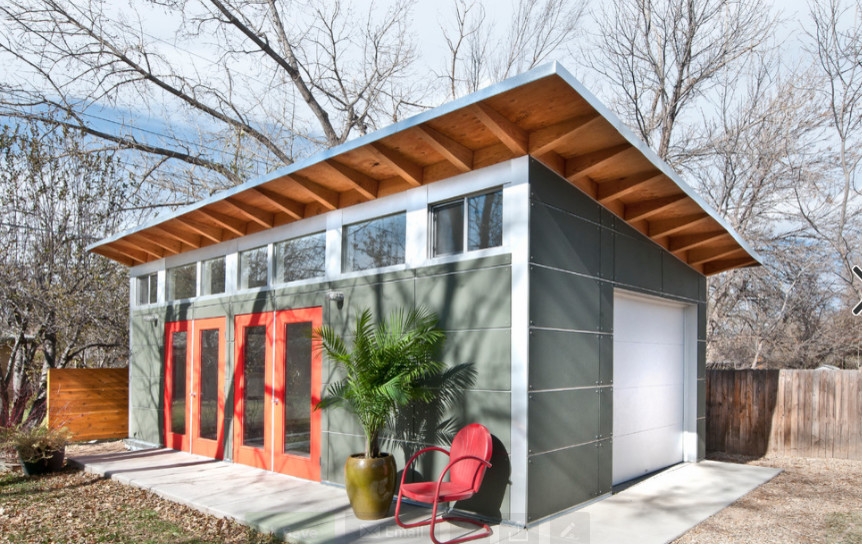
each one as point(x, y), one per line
point(178, 354)
point(207, 392)
point(296, 390)
point(277, 383)
point(252, 439)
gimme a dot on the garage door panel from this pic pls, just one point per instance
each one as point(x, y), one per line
point(658, 406)
point(629, 314)
point(638, 454)
point(648, 364)
point(649, 361)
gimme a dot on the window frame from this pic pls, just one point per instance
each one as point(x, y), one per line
point(465, 223)
point(170, 283)
point(152, 280)
point(345, 272)
point(277, 276)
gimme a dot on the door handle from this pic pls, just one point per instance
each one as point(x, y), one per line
point(275, 401)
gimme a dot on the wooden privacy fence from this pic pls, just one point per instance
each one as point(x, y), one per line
point(805, 413)
point(93, 403)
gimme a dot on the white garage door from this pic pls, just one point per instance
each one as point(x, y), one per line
point(649, 361)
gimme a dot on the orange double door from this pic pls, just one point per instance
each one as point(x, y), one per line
point(276, 381)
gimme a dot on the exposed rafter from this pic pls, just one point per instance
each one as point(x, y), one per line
point(228, 223)
point(703, 255)
point(167, 229)
point(326, 196)
point(213, 234)
point(648, 208)
point(613, 190)
point(584, 165)
point(261, 217)
point(410, 171)
point(458, 155)
point(143, 246)
point(512, 136)
point(691, 241)
point(170, 246)
point(290, 207)
point(714, 267)
point(364, 185)
point(668, 227)
point(548, 138)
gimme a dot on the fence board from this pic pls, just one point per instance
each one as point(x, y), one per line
point(93, 403)
point(806, 413)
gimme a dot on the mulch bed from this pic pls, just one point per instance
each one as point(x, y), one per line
point(76, 507)
point(813, 500)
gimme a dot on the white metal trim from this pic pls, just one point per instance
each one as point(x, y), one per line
point(516, 237)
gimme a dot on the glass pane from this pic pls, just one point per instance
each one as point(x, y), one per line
point(300, 258)
point(254, 374)
point(297, 388)
point(485, 221)
point(212, 276)
point(375, 243)
point(209, 384)
point(183, 282)
point(143, 290)
point(178, 381)
point(448, 228)
point(252, 268)
point(154, 288)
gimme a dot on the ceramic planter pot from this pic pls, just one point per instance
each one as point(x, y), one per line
point(43, 466)
point(370, 485)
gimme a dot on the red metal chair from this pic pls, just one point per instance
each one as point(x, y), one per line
point(468, 459)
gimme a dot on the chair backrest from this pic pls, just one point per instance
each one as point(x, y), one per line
point(474, 439)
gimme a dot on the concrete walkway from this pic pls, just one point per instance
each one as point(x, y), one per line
point(656, 510)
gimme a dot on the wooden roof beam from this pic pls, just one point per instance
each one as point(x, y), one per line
point(141, 245)
point(228, 223)
point(364, 185)
point(209, 232)
point(714, 267)
point(678, 244)
point(117, 255)
point(668, 227)
point(460, 156)
point(193, 240)
point(613, 190)
point(639, 211)
point(172, 247)
point(582, 166)
point(290, 207)
point(324, 195)
point(548, 138)
point(512, 136)
point(703, 255)
point(411, 172)
point(262, 217)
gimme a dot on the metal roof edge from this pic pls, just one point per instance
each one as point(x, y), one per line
point(651, 155)
point(529, 76)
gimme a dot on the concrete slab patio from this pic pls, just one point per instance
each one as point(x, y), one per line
point(656, 510)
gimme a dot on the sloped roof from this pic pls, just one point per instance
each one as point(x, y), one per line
point(545, 112)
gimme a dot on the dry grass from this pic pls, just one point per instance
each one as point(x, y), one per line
point(76, 507)
point(813, 500)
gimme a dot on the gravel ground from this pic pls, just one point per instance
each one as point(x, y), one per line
point(813, 500)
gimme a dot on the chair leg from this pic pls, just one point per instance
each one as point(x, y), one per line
point(444, 517)
point(407, 525)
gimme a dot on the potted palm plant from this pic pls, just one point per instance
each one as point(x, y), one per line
point(389, 365)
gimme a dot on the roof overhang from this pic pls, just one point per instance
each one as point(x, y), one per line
point(545, 113)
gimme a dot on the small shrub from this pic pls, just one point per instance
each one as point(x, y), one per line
point(36, 443)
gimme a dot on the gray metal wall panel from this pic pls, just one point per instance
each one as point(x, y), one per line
point(561, 418)
point(560, 479)
point(576, 354)
point(564, 295)
point(562, 300)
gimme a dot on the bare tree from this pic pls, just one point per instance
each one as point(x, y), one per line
point(59, 304)
point(830, 203)
point(479, 54)
point(273, 80)
point(661, 56)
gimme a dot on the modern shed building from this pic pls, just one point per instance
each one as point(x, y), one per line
point(564, 258)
